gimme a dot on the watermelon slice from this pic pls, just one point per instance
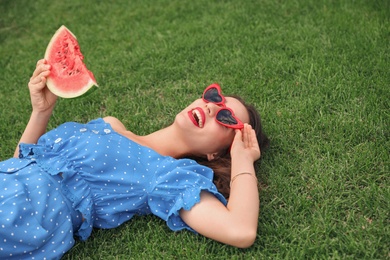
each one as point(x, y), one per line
point(69, 77)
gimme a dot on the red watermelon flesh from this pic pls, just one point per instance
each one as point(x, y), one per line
point(69, 77)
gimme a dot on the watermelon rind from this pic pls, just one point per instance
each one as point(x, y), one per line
point(69, 77)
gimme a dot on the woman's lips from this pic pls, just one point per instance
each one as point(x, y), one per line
point(197, 117)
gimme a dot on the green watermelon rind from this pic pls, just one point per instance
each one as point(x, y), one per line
point(54, 87)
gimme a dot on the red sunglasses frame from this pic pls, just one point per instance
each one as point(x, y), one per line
point(221, 103)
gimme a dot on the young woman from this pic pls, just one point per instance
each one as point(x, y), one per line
point(99, 174)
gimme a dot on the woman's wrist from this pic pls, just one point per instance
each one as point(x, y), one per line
point(242, 164)
point(242, 174)
point(36, 125)
point(41, 114)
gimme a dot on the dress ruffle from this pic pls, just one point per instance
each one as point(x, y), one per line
point(188, 199)
point(180, 189)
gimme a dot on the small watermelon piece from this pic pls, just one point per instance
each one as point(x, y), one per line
point(69, 77)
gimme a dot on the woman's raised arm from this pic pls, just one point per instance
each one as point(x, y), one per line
point(42, 101)
point(235, 224)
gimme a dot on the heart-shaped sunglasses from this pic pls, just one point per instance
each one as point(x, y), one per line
point(224, 116)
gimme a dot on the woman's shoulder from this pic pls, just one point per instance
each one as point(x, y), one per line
point(120, 128)
point(115, 123)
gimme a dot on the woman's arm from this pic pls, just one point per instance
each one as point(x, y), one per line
point(42, 101)
point(235, 224)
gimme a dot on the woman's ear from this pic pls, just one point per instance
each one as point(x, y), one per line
point(211, 156)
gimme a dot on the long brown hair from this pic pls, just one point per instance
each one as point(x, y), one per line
point(222, 164)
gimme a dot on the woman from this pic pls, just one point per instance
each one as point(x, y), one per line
point(80, 176)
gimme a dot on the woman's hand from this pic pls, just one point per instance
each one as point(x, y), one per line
point(245, 144)
point(42, 99)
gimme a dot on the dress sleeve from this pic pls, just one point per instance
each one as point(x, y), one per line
point(180, 188)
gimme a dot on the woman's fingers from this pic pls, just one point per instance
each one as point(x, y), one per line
point(245, 141)
point(41, 66)
point(38, 83)
point(238, 136)
point(246, 135)
point(41, 72)
point(254, 145)
point(250, 141)
point(37, 79)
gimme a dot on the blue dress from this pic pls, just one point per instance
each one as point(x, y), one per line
point(80, 176)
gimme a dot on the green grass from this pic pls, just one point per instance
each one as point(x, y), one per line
point(319, 72)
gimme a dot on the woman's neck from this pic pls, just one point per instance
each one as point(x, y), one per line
point(166, 142)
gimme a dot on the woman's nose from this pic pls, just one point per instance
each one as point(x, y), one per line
point(212, 108)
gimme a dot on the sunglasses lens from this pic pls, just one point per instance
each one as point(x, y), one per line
point(225, 117)
point(212, 95)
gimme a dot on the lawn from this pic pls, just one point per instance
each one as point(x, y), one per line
point(317, 70)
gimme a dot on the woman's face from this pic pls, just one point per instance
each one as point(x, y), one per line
point(201, 132)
